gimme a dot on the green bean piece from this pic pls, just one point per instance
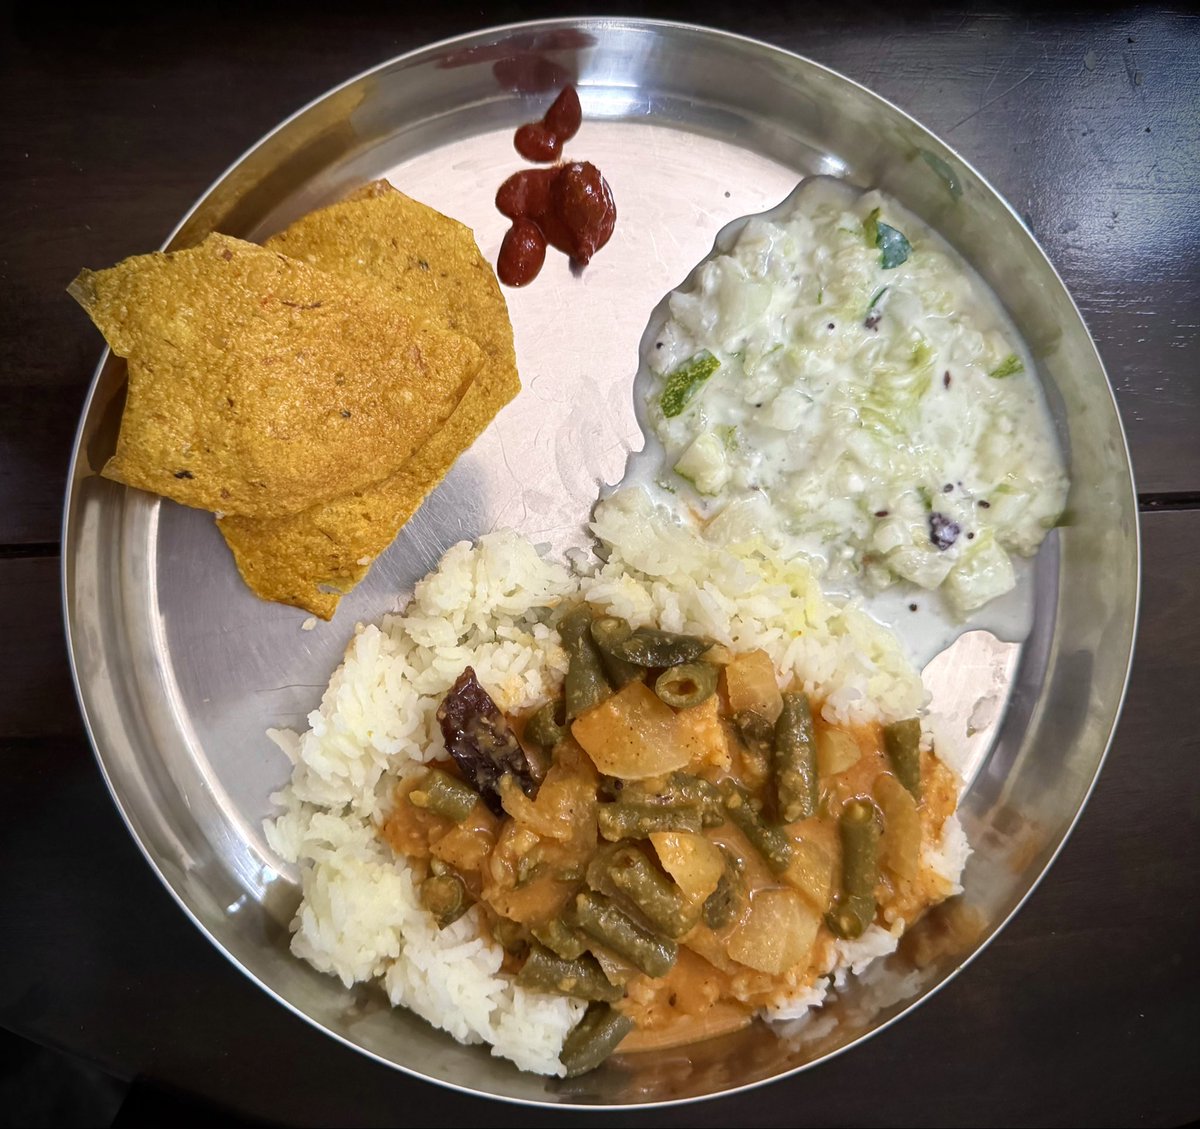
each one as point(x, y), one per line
point(581, 978)
point(859, 829)
point(560, 939)
point(758, 737)
point(596, 876)
point(682, 789)
point(608, 925)
point(548, 725)
point(529, 866)
point(656, 897)
point(623, 820)
point(594, 1038)
point(444, 795)
point(620, 673)
point(610, 788)
point(850, 917)
point(680, 802)
point(754, 729)
point(902, 740)
point(697, 790)
point(686, 685)
point(445, 896)
point(694, 788)
point(773, 843)
point(719, 906)
point(723, 904)
point(510, 935)
point(608, 630)
point(794, 760)
point(586, 684)
point(648, 646)
point(679, 789)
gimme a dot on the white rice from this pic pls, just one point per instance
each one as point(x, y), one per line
point(489, 607)
point(746, 596)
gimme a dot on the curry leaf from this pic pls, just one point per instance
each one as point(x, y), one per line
point(894, 247)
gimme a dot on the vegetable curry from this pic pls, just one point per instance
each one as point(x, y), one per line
point(675, 840)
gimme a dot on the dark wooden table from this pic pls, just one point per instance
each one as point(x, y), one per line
point(1088, 120)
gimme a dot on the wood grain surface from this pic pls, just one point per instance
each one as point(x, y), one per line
point(1087, 120)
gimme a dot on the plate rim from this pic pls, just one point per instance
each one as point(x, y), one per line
point(479, 37)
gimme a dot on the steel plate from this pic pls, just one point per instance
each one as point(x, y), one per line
point(180, 669)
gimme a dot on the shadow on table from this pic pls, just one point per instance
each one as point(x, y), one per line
point(40, 1087)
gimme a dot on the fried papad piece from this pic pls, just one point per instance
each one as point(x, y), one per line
point(259, 385)
point(434, 266)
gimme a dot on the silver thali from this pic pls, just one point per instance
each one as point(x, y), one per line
point(180, 670)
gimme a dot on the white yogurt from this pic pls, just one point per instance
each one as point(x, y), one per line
point(868, 416)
